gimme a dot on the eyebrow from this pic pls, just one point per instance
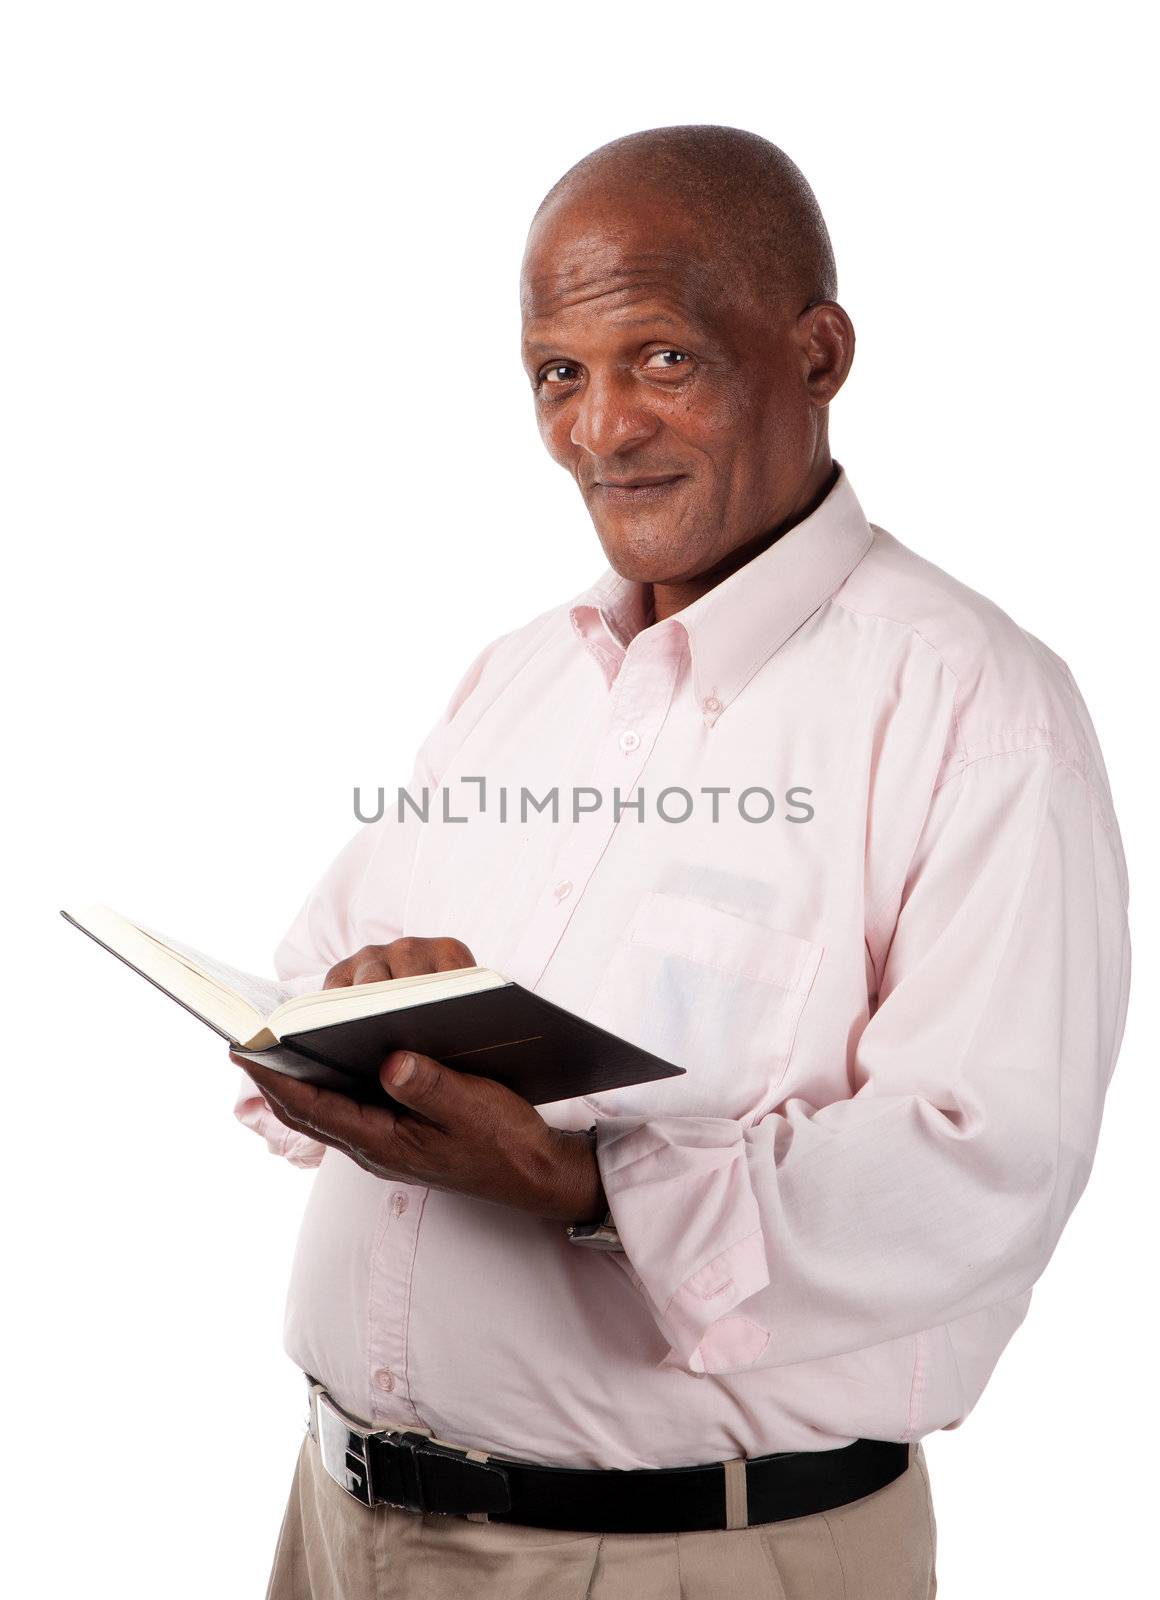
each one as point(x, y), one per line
point(662, 320)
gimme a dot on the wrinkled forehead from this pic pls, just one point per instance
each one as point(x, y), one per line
point(609, 270)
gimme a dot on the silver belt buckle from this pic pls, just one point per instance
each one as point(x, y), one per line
point(342, 1445)
point(474, 1483)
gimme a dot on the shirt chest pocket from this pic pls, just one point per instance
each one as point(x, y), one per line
point(710, 991)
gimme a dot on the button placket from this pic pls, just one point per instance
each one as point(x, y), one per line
point(637, 712)
point(390, 1292)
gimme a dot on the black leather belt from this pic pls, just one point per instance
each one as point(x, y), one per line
point(412, 1469)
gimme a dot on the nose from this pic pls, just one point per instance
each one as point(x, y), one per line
point(610, 419)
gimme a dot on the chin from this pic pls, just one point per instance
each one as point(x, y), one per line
point(636, 569)
point(647, 559)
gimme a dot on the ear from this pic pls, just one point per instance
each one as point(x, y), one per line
point(825, 339)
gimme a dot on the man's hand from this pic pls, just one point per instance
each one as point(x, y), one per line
point(460, 1132)
point(403, 958)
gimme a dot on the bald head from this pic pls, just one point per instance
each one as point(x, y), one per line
point(738, 191)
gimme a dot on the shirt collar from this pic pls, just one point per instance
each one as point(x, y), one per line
point(734, 628)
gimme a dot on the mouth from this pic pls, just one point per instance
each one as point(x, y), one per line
point(635, 491)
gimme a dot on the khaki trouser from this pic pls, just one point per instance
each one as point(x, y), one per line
point(881, 1547)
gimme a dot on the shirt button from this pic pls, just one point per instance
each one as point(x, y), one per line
point(399, 1203)
point(563, 890)
point(711, 703)
point(629, 740)
point(385, 1379)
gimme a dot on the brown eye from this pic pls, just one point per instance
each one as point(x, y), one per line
point(550, 374)
point(680, 355)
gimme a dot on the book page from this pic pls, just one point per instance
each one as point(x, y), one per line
point(233, 1003)
point(307, 1012)
point(264, 994)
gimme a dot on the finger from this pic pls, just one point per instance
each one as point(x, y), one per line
point(411, 955)
point(325, 1111)
point(371, 964)
point(450, 954)
point(269, 1083)
point(342, 975)
point(372, 1161)
point(310, 1129)
point(280, 1097)
point(370, 969)
point(319, 1135)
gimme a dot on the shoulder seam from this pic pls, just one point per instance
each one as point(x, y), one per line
point(1061, 760)
point(966, 755)
point(897, 622)
point(880, 616)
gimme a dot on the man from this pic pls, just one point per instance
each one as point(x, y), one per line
point(835, 836)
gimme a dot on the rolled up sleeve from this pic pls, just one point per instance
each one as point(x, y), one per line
point(321, 935)
point(942, 1184)
point(252, 1112)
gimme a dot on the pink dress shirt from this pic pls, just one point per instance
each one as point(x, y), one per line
point(895, 964)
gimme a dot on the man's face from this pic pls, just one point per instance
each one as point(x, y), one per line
point(651, 359)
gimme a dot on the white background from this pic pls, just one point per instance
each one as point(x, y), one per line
point(272, 477)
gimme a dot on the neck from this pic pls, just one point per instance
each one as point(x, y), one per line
point(668, 598)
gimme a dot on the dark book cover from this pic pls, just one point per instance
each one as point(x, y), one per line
point(510, 1034)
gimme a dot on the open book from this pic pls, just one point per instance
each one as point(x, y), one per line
point(471, 1019)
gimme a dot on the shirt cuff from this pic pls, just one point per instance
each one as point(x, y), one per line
point(682, 1201)
point(253, 1112)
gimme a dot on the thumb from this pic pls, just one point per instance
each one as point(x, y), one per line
point(416, 1080)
